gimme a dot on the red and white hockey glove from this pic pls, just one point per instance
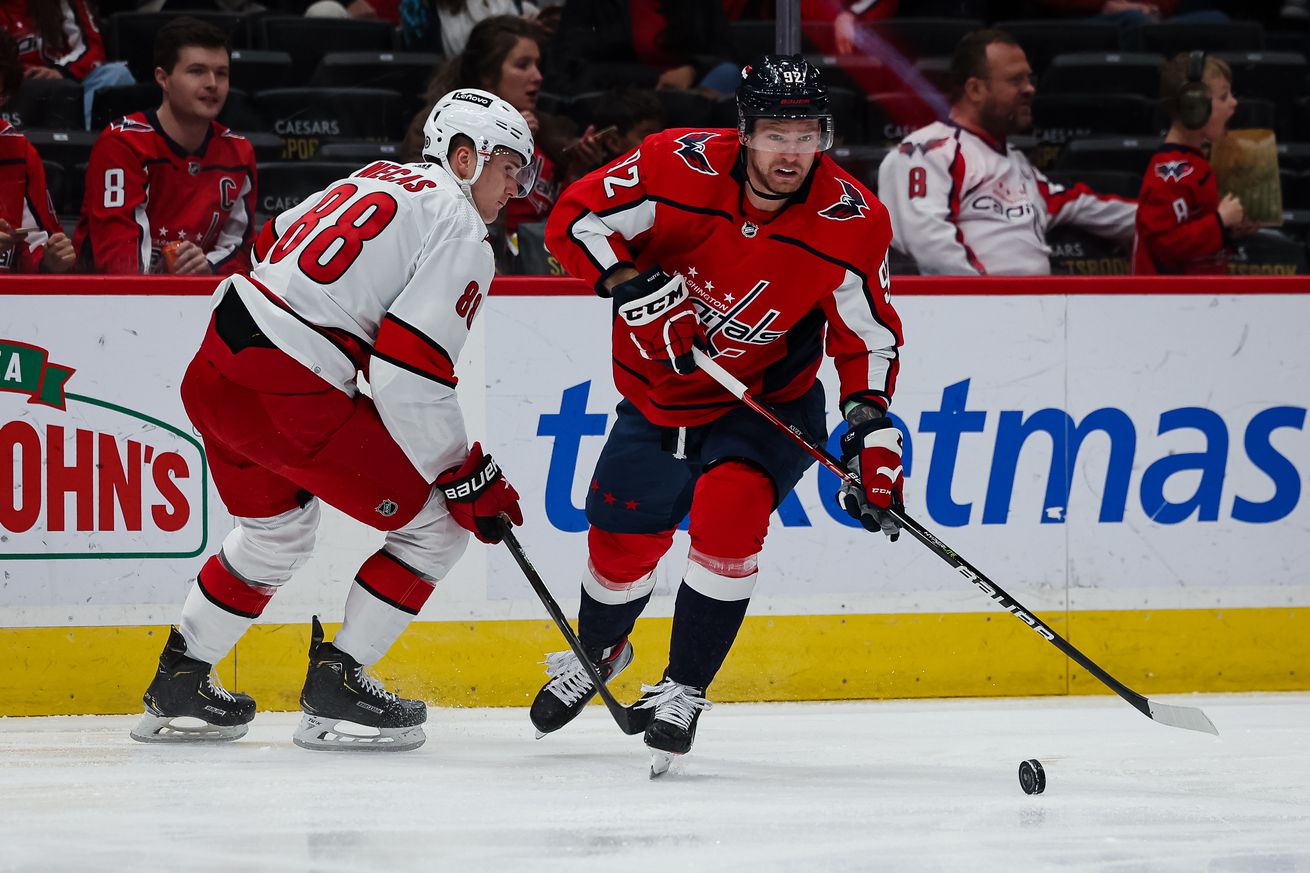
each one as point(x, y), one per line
point(871, 450)
point(476, 494)
point(659, 318)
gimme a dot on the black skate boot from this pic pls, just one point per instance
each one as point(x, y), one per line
point(186, 688)
point(339, 689)
point(570, 687)
point(671, 732)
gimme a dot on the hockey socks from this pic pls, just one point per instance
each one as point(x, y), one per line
point(706, 617)
point(601, 625)
point(385, 598)
point(218, 609)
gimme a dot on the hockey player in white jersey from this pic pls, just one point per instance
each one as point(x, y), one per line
point(382, 273)
point(963, 202)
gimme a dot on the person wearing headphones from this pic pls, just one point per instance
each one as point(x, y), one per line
point(1183, 227)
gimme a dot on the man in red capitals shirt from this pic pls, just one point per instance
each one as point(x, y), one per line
point(751, 244)
point(30, 237)
point(172, 190)
point(1182, 225)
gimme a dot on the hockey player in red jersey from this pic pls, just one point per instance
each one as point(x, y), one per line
point(382, 273)
point(752, 244)
point(173, 176)
point(1182, 225)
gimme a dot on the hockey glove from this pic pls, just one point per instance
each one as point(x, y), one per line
point(872, 451)
point(659, 318)
point(476, 494)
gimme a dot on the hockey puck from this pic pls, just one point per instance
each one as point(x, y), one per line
point(1032, 778)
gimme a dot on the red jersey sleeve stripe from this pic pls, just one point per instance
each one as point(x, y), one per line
point(953, 216)
point(409, 348)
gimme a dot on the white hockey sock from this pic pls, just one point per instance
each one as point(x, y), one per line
point(371, 626)
point(209, 630)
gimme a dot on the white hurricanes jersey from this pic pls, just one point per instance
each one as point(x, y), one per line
point(384, 271)
point(961, 204)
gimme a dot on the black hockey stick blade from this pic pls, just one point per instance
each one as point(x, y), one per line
point(1187, 717)
point(629, 722)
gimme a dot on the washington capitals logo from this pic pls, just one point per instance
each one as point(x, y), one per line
point(851, 205)
point(128, 125)
point(1174, 171)
point(909, 148)
point(691, 148)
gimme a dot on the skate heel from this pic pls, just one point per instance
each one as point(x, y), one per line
point(336, 735)
point(183, 729)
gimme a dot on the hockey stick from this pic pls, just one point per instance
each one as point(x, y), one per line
point(1187, 717)
point(622, 715)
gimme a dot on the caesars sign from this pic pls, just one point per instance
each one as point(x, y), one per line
point(83, 477)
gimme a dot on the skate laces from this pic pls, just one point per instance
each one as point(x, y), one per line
point(674, 702)
point(370, 683)
point(569, 679)
point(218, 690)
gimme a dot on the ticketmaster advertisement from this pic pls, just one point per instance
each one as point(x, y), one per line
point(1089, 453)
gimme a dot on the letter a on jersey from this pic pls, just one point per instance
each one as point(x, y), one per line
point(691, 148)
point(851, 205)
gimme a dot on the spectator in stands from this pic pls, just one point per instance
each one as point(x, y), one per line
point(58, 39)
point(30, 237)
point(965, 202)
point(622, 118)
point(679, 44)
point(458, 18)
point(1182, 225)
point(503, 56)
point(170, 189)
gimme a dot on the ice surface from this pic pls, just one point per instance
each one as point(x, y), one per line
point(877, 786)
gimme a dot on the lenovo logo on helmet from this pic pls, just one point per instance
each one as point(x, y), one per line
point(471, 97)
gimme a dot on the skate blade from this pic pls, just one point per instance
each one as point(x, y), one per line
point(182, 729)
point(539, 734)
point(660, 763)
point(321, 734)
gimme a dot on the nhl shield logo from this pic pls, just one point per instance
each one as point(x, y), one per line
point(387, 508)
point(748, 229)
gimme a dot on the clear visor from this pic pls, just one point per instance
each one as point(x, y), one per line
point(789, 141)
point(525, 176)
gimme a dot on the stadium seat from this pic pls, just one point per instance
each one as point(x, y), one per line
point(66, 147)
point(55, 184)
point(921, 37)
point(74, 186)
point(681, 109)
point(405, 72)
point(130, 36)
point(360, 153)
point(1276, 76)
point(240, 114)
point(283, 185)
point(1076, 252)
point(1296, 189)
point(1044, 38)
point(1294, 156)
point(267, 145)
point(47, 103)
point(752, 38)
point(306, 118)
point(1266, 252)
point(254, 70)
point(1171, 38)
point(1301, 118)
point(307, 40)
point(1296, 223)
point(892, 116)
point(1104, 73)
point(1258, 113)
point(862, 162)
point(111, 104)
point(1288, 40)
point(1117, 153)
point(1060, 118)
point(937, 70)
point(1116, 182)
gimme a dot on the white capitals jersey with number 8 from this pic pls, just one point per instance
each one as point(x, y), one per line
point(398, 258)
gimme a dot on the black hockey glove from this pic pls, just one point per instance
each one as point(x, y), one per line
point(871, 450)
point(657, 317)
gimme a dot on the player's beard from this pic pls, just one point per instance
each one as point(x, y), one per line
point(761, 178)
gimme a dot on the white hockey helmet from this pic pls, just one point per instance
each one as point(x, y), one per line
point(490, 123)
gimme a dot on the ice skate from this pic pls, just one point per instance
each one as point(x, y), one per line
point(347, 708)
point(186, 704)
point(570, 687)
point(677, 708)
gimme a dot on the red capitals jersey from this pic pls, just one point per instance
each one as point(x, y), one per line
point(766, 286)
point(24, 201)
point(143, 191)
point(1178, 226)
point(80, 50)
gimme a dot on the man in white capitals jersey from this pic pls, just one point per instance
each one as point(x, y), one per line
point(381, 274)
point(963, 201)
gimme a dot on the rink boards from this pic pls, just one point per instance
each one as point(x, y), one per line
point(1126, 457)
